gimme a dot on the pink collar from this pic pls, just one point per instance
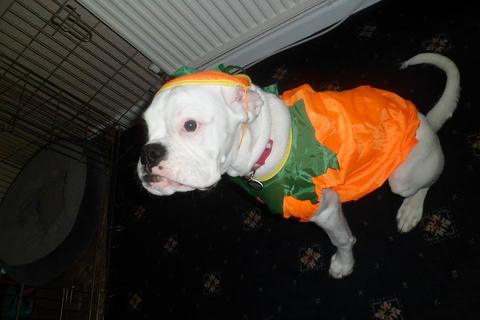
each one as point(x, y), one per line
point(257, 185)
point(261, 161)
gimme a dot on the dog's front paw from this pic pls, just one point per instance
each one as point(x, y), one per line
point(341, 265)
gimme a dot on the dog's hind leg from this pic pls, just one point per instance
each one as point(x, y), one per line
point(331, 219)
point(425, 162)
point(413, 177)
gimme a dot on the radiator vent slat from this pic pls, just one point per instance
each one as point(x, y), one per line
point(203, 33)
point(175, 33)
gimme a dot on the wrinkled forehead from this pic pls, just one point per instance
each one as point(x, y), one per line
point(185, 96)
point(180, 99)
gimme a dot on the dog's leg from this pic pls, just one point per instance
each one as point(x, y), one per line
point(330, 217)
point(413, 178)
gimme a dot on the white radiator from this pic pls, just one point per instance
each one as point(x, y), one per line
point(204, 33)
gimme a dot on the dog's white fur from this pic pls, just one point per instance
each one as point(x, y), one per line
point(197, 159)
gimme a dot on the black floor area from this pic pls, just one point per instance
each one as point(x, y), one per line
point(219, 255)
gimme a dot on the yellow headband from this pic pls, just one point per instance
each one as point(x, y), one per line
point(209, 77)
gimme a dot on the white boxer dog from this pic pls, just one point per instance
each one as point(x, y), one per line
point(200, 129)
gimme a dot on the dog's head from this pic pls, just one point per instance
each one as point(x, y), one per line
point(194, 127)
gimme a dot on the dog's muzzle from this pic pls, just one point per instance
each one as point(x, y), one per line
point(151, 155)
point(153, 175)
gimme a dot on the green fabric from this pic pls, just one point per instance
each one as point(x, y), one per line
point(230, 69)
point(182, 71)
point(273, 88)
point(308, 158)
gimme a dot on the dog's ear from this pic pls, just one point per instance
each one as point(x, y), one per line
point(245, 104)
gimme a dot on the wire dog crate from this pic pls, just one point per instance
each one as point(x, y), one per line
point(65, 78)
point(23, 302)
point(63, 74)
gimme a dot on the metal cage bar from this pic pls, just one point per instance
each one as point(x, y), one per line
point(21, 302)
point(64, 75)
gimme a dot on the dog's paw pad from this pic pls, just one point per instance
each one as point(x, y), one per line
point(340, 267)
point(409, 214)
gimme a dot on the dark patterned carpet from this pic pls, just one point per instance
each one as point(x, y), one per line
point(219, 255)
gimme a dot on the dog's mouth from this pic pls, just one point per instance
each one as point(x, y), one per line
point(158, 180)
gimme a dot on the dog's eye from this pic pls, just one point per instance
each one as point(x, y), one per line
point(190, 125)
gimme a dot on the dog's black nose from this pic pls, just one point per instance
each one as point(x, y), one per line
point(152, 154)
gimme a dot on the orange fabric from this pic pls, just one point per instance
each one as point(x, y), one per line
point(371, 131)
point(302, 209)
point(210, 77)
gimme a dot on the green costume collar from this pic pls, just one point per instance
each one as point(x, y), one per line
point(307, 159)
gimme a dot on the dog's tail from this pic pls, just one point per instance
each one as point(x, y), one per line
point(447, 103)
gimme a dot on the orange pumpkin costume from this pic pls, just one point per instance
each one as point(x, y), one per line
point(366, 132)
point(371, 131)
